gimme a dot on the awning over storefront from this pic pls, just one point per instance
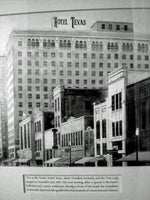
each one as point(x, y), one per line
point(51, 161)
point(143, 156)
point(66, 161)
point(89, 159)
point(23, 160)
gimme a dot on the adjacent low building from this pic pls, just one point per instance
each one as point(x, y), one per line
point(36, 138)
point(116, 119)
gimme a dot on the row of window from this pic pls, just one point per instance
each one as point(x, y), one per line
point(73, 139)
point(30, 96)
point(117, 27)
point(116, 101)
point(95, 45)
point(99, 128)
point(37, 126)
point(25, 140)
point(38, 145)
point(104, 149)
point(69, 81)
point(117, 128)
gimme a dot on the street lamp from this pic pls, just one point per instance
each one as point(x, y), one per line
point(137, 144)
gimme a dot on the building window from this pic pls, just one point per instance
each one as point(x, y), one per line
point(36, 63)
point(85, 55)
point(53, 72)
point(29, 54)
point(124, 56)
point(77, 64)
point(77, 81)
point(139, 66)
point(117, 27)
point(19, 80)
point(45, 71)
point(29, 71)
point(29, 62)
point(53, 81)
point(93, 64)
point(69, 64)
point(110, 26)
point(37, 71)
point(45, 54)
point(37, 80)
point(104, 128)
point(20, 96)
point(98, 149)
point(108, 65)
point(146, 66)
point(100, 81)
point(116, 65)
point(36, 54)
point(131, 65)
point(45, 63)
point(98, 130)
point(69, 81)
point(45, 88)
point(30, 104)
point(77, 55)
point(38, 104)
point(117, 128)
point(45, 80)
point(77, 73)
point(29, 80)
point(101, 56)
point(85, 82)
point(93, 73)
point(93, 82)
point(61, 55)
point(19, 53)
point(101, 65)
point(115, 56)
point(93, 55)
point(116, 101)
point(69, 73)
point(20, 62)
point(126, 27)
point(84, 73)
point(19, 43)
point(20, 104)
point(146, 57)
point(29, 88)
point(68, 55)
point(19, 71)
point(103, 26)
point(100, 73)
point(53, 64)
point(53, 55)
point(131, 57)
point(37, 96)
point(29, 96)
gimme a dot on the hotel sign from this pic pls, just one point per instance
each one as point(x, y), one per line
point(69, 23)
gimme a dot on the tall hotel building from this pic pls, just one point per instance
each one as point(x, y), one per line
point(38, 61)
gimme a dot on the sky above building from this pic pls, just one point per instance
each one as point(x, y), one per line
point(67, 8)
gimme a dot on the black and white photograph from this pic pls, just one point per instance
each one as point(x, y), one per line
point(75, 99)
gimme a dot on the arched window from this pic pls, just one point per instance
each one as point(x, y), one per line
point(81, 44)
point(104, 128)
point(53, 43)
point(64, 43)
point(60, 43)
point(116, 46)
point(68, 44)
point(48, 43)
point(37, 43)
point(98, 130)
point(85, 45)
point(29, 42)
point(139, 47)
point(112, 46)
point(131, 47)
point(93, 46)
point(77, 44)
point(101, 46)
point(33, 42)
point(108, 45)
point(123, 47)
point(127, 46)
point(44, 43)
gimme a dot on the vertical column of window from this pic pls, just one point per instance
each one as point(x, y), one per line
point(25, 138)
point(117, 101)
point(117, 128)
point(58, 103)
point(113, 129)
point(98, 130)
point(29, 142)
point(35, 145)
point(120, 128)
point(21, 138)
point(120, 100)
point(113, 102)
point(104, 128)
point(98, 149)
point(81, 137)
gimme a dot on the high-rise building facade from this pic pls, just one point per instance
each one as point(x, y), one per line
point(3, 112)
point(38, 61)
